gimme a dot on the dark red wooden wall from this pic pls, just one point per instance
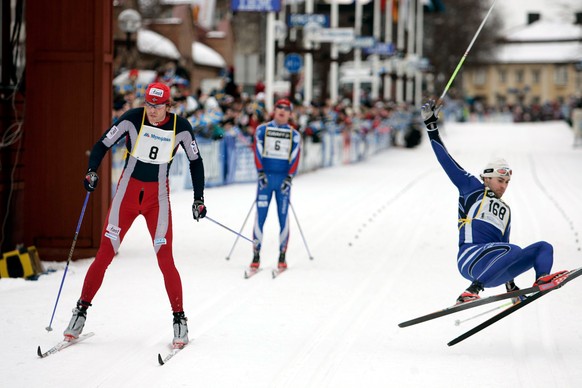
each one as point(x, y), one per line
point(69, 50)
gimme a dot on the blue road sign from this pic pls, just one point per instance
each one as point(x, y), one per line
point(293, 63)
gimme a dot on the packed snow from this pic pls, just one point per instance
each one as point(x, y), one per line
point(383, 237)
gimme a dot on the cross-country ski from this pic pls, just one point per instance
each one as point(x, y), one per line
point(63, 345)
point(164, 359)
point(490, 299)
point(556, 283)
point(278, 271)
point(250, 272)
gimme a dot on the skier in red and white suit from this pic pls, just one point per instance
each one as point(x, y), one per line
point(152, 135)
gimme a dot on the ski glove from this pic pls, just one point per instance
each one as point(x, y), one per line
point(198, 209)
point(430, 114)
point(91, 180)
point(262, 180)
point(286, 185)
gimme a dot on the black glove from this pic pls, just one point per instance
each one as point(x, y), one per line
point(430, 114)
point(262, 180)
point(91, 180)
point(198, 209)
point(286, 185)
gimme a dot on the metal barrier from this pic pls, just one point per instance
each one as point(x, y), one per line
point(231, 160)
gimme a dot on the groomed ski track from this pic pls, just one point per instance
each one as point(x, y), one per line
point(383, 237)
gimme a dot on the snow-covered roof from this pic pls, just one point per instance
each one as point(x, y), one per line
point(541, 42)
point(543, 30)
point(555, 52)
point(206, 56)
point(150, 42)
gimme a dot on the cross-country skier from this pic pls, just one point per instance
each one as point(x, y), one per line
point(486, 257)
point(152, 136)
point(277, 149)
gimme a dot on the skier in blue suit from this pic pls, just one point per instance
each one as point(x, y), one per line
point(486, 257)
point(277, 149)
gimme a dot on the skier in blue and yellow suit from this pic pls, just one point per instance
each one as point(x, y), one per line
point(277, 149)
point(486, 257)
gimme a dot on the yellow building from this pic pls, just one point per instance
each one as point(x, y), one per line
point(537, 63)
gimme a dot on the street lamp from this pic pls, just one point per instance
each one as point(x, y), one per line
point(129, 21)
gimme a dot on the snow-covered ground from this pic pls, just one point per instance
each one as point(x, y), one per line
point(383, 237)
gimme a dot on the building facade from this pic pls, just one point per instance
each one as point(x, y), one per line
point(538, 63)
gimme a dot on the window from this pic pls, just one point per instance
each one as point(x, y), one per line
point(560, 75)
point(536, 76)
point(519, 76)
point(480, 77)
point(502, 74)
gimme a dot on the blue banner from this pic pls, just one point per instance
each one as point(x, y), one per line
point(255, 5)
point(301, 19)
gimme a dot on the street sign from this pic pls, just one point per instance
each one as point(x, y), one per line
point(280, 30)
point(364, 42)
point(301, 19)
point(383, 49)
point(255, 5)
point(293, 63)
point(336, 35)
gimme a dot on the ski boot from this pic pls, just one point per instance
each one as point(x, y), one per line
point(545, 279)
point(180, 330)
point(75, 328)
point(255, 264)
point(471, 293)
point(282, 264)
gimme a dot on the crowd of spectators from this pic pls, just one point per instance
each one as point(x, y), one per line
point(229, 110)
point(458, 110)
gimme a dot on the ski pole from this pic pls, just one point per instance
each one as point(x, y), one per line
point(440, 100)
point(240, 231)
point(300, 231)
point(233, 231)
point(459, 321)
point(49, 327)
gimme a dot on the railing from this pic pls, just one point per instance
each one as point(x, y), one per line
point(230, 159)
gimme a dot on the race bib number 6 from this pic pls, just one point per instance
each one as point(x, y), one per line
point(277, 143)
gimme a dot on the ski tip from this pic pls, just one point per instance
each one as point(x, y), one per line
point(251, 272)
point(455, 341)
point(39, 352)
point(160, 359)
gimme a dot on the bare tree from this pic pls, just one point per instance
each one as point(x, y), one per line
point(448, 34)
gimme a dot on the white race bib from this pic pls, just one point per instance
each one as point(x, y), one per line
point(495, 212)
point(277, 143)
point(154, 145)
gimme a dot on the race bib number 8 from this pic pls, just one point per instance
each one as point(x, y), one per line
point(277, 143)
point(154, 145)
